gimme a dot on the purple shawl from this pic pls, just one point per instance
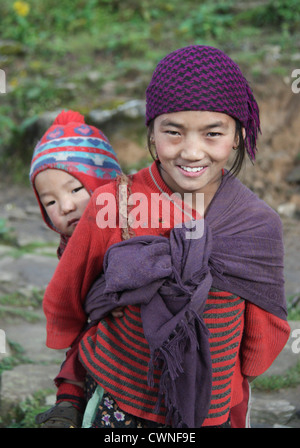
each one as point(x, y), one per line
point(240, 251)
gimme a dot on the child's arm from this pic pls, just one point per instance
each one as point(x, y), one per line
point(78, 268)
point(265, 335)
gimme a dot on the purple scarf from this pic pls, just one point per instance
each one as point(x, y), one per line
point(241, 252)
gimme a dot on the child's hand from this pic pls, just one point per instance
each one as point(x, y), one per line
point(251, 378)
point(118, 312)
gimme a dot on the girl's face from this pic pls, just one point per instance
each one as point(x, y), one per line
point(64, 198)
point(193, 147)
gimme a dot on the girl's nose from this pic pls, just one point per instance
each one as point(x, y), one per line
point(193, 149)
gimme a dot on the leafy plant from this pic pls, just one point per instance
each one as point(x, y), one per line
point(208, 20)
point(32, 299)
point(293, 305)
point(23, 415)
point(284, 14)
point(6, 233)
point(276, 382)
point(17, 357)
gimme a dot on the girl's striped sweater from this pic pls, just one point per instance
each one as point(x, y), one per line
point(116, 354)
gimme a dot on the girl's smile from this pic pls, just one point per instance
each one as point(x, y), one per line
point(192, 171)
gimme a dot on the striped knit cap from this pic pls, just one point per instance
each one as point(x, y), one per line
point(203, 78)
point(83, 151)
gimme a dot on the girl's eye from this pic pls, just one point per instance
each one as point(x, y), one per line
point(50, 203)
point(176, 133)
point(213, 134)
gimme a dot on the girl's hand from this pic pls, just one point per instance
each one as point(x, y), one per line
point(118, 312)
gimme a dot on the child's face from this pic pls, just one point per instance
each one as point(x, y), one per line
point(63, 197)
point(193, 147)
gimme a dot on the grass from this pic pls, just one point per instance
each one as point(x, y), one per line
point(51, 47)
point(7, 235)
point(17, 357)
point(28, 315)
point(23, 415)
point(293, 306)
point(11, 247)
point(276, 382)
point(40, 248)
point(21, 304)
point(20, 299)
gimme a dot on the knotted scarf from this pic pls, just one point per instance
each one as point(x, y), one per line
point(240, 251)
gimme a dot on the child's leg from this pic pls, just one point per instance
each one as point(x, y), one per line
point(239, 414)
point(72, 393)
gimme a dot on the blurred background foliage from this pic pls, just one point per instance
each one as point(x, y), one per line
point(86, 54)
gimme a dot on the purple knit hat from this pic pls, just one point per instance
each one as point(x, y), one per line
point(203, 78)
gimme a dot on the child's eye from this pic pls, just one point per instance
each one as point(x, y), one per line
point(77, 189)
point(50, 203)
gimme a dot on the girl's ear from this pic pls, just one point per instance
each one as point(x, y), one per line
point(152, 136)
point(237, 141)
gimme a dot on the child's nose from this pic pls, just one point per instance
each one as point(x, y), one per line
point(67, 205)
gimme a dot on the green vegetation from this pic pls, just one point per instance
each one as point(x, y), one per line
point(6, 233)
point(23, 415)
point(277, 382)
point(17, 357)
point(21, 304)
point(293, 307)
point(62, 54)
point(30, 300)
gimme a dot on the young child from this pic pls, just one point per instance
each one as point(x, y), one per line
point(70, 161)
point(204, 312)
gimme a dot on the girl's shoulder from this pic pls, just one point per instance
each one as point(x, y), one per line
point(249, 210)
point(109, 187)
point(249, 198)
point(254, 204)
point(122, 181)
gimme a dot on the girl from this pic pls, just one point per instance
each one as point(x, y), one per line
point(199, 271)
